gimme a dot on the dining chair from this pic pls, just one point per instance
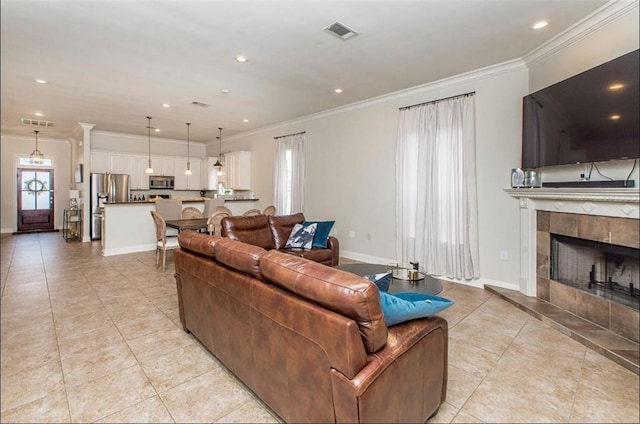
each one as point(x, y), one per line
point(252, 212)
point(163, 242)
point(269, 210)
point(209, 205)
point(214, 223)
point(191, 212)
point(169, 209)
point(222, 209)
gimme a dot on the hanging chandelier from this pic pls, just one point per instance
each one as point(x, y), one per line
point(188, 170)
point(36, 157)
point(218, 165)
point(149, 169)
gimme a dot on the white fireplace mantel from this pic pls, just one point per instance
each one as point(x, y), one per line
point(618, 202)
point(615, 202)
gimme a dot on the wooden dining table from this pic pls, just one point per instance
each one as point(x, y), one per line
point(187, 224)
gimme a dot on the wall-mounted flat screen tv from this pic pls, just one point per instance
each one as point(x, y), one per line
point(591, 117)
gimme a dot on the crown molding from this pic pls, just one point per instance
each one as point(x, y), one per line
point(605, 15)
point(449, 82)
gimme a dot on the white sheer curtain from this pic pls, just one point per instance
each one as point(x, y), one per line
point(289, 174)
point(437, 213)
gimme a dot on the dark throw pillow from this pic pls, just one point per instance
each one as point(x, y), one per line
point(405, 306)
point(301, 236)
point(322, 232)
point(382, 280)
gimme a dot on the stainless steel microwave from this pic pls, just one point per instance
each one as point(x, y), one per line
point(161, 182)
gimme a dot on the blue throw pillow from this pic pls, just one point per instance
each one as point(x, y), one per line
point(322, 232)
point(383, 280)
point(405, 306)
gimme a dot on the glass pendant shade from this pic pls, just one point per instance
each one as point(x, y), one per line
point(149, 169)
point(36, 157)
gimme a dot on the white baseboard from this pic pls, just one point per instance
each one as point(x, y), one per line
point(130, 249)
point(7, 230)
point(366, 258)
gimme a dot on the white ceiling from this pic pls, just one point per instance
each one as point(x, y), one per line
point(114, 63)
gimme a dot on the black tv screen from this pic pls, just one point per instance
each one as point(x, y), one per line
point(591, 117)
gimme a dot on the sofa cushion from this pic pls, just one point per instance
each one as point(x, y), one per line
point(405, 306)
point(239, 256)
point(301, 236)
point(281, 226)
point(202, 244)
point(324, 256)
point(339, 291)
point(322, 232)
point(249, 229)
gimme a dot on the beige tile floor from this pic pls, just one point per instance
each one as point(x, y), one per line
point(87, 338)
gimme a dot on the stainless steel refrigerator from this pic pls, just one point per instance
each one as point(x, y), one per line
point(106, 188)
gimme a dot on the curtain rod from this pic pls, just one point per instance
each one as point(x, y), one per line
point(471, 93)
point(289, 135)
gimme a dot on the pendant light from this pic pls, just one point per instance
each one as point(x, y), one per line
point(149, 169)
point(36, 157)
point(188, 170)
point(218, 164)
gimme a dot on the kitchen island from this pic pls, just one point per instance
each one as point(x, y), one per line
point(129, 228)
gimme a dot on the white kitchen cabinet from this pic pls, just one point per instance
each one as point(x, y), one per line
point(210, 174)
point(100, 162)
point(188, 182)
point(137, 167)
point(180, 182)
point(194, 181)
point(237, 169)
point(163, 165)
point(119, 163)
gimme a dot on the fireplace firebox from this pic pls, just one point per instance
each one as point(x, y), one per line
point(606, 270)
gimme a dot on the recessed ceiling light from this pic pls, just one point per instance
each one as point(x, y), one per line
point(166, 105)
point(224, 91)
point(41, 81)
point(241, 59)
point(616, 86)
point(157, 130)
point(39, 114)
point(338, 90)
point(614, 117)
point(540, 25)
point(245, 120)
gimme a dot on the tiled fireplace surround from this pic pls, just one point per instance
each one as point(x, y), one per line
point(603, 215)
point(620, 231)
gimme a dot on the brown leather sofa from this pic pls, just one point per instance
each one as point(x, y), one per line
point(307, 339)
point(272, 232)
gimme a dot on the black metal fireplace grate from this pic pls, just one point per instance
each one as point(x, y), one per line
point(606, 270)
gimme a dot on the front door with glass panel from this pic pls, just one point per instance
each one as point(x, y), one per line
point(35, 199)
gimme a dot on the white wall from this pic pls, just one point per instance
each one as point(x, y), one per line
point(351, 150)
point(350, 166)
point(13, 147)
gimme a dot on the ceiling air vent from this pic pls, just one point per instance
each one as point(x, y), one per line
point(341, 31)
point(38, 123)
point(195, 103)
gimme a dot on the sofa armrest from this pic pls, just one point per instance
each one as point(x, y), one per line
point(334, 245)
point(410, 372)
